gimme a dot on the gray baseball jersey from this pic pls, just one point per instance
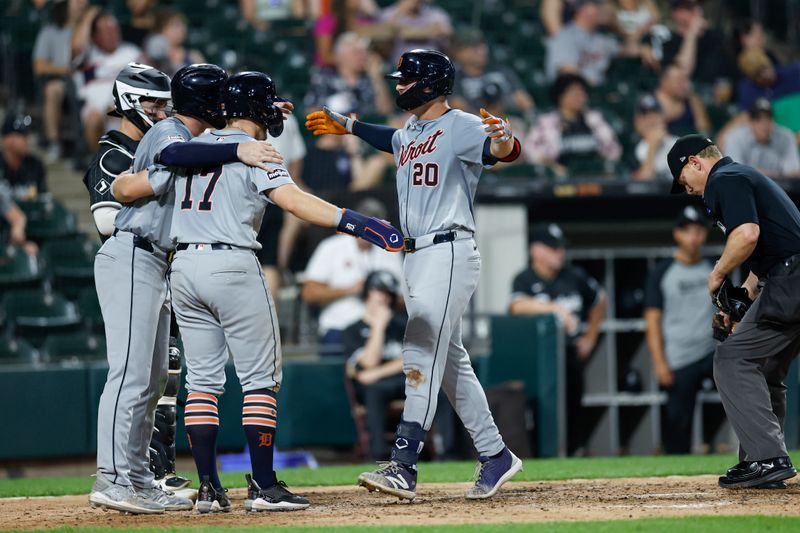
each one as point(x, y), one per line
point(439, 163)
point(151, 217)
point(224, 204)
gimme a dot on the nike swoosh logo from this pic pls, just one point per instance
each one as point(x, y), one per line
point(398, 482)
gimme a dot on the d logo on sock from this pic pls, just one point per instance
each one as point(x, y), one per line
point(264, 439)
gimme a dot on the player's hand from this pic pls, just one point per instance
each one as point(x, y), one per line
point(381, 316)
point(664, 375)
point(286, 108)
point(258, 154)
point(498, 129)
point(327, 121)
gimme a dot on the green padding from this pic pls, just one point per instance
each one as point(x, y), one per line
point(44, 413)
point(526, 348)
point(787, 112)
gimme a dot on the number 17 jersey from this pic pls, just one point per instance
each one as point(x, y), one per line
point(224, 204)
point(439, 163)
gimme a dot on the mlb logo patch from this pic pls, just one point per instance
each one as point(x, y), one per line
point(102, 186)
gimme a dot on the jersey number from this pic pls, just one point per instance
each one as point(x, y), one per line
point(205, 203)
point(426, 174)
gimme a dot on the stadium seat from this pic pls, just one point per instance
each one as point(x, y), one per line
point(73, 347)
point(18, 269)
point(36, 312)
point(89, 308)
point(16, 351)
point(48, 219)
point(70, 263)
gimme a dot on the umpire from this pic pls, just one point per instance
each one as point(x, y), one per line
point(762, 227)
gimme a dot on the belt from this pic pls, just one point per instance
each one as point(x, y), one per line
point(202, 246)
point(139, 242)
point(412, 245)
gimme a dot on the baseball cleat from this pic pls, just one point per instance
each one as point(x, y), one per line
point(174, 482)
point(758, 473)
point(275, 498)
point(106, 495)
point(211, 500)
point(491, 473)
point(169, 500)
point(392, 478)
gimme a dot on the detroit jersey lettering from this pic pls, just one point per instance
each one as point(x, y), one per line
point(439, 163)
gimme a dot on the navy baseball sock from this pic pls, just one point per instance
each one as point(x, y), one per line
point(259, 420)
point(408, 442)
point(201, 419)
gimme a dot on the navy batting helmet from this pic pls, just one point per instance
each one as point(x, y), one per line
point(134, 83)
point(252, 95)
point(433, 72)
point(195, 92)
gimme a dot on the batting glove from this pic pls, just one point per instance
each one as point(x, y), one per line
point(498, 129)
point(327, 121)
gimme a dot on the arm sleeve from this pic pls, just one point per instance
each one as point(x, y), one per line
point(736, 202)
point(470, 140)
point(653, 296)
point(379, 137)
point(488, 158)
point(198, 154)
point(266, 180)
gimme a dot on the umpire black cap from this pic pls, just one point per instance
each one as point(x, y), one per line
point(196, 90)
point(433, 72)
point(679, 154)
point(252, 95)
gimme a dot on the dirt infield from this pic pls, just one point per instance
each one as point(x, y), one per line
point(604, 499)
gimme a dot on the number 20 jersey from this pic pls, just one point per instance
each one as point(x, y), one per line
point(439, 163)
point(224, 204)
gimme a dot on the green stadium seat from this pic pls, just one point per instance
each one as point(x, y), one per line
point(18, 269)
point(73, 347)
point(89, 308)
point(70, 263)
point(16, 351)
point(36, 312)
point(48, 219)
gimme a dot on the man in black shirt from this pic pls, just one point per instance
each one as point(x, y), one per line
point(549, 286)
point(762, 227)
point(23, 172)
point(374, 347)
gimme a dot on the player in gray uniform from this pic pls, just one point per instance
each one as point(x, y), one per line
point(130, 275)
point(221, 298)
point(440, 154)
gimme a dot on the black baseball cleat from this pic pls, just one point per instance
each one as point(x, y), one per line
point(766, 473)
point(211, 500)
point(275, 498)
point(174, 482)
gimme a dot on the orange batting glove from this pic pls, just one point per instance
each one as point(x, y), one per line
point(327, 121)
point(498, 129)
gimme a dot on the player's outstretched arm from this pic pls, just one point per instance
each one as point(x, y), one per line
point(504, 146)
point(130, 187)
point(317, 211)
point(328, 121)
point(204, 155)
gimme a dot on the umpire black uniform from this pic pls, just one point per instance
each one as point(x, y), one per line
point(762, 228)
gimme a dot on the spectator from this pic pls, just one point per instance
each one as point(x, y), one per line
point(416, 24)
point(475, 75)
point(579, 48)
point(552, 14)
point(374, 349)
point(749, 35)
point(142, 21)
point(677, 308)
point(102, 55)
point(260, 13)
point(15, 219)
point(690, 44)
point(354, 84)
point(765, 80)
point(335, 275)
point(52, 66)
point(549, 286)
point(655, 141)
point(338, 163)
point(633, 19)
point(344, 16)
point(572, 132)
point(683, 110)
point(22, 172)
point(762, 144)
point(165, 49)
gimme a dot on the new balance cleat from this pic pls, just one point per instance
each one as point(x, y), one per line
point(174, 482)
point(392, 478)
point(490, 474)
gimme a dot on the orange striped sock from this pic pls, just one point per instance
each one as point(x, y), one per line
point(201, 418)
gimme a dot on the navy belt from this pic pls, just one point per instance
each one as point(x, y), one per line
point(411, 245)
point(139, 242)
point(199, 246)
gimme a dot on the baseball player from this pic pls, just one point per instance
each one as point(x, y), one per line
point(130, 275)
point(440, 153)
point(141, 98)
point(221, 297)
